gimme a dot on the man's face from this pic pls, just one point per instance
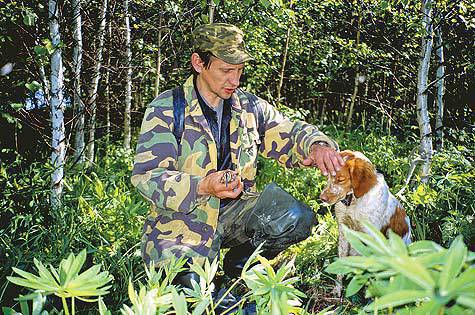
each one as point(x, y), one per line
point(221, 78)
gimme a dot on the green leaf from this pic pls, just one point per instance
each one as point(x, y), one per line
point(75, 266)
point(339, 268)
point(467, 278)
point(33, 86)
point(397, 244)
point(24, 307)
point(102, 307)
point(455, 259)
point(355, 285)
point(466, 301)
point(29, 18)
point(413, 270)
point(8, 311)
point(396, 299)
point(179, 302)
point(366, 239)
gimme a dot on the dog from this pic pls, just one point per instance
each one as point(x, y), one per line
point(359, 192)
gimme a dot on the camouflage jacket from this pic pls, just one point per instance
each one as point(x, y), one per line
point(182, 223)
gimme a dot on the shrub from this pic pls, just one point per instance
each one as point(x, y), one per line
point(422, 278)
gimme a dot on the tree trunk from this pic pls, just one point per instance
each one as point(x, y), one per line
point(159, 55)
point(107, 84)
point(439, 125)
point(357, 77)
point(425, 148)
point(78, 105)
point(96, 76)
point(284, 61)
point(57, 108)
point(128, 87)
point(212, 8)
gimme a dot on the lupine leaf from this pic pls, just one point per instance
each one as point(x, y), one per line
point(455, 259)
point(466, 301)
point(413, 270)
point(396, 299)
point(397, 244)
point(355, 285)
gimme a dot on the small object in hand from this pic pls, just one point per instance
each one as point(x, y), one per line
point(228, 176)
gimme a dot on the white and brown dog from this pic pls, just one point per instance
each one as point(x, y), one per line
point(360, 193)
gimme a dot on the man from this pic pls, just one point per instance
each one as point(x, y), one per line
point(197, 165)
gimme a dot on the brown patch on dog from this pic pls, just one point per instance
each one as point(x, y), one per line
point(397, 223)
point(363, 176)
point(352, 224)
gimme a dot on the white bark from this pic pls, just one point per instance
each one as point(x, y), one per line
point(96, 76)
point(284, 61)
point(107, 83)
point(77, 65)
point(425, 148)
point(439, 125)
point(212, 8)
point(128, 86)
point(57, 108)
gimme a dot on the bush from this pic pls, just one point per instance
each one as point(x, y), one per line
point(422, 278)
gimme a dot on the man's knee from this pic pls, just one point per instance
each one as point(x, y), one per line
point(279, 219)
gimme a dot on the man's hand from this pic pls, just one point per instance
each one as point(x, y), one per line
point(213, 184)
point(325, 158)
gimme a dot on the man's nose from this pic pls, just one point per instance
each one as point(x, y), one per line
point(234, 80)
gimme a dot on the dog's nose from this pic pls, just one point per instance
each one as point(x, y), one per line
point(323, 197)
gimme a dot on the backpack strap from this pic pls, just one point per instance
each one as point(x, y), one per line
point(255, 107)
point(179, 104)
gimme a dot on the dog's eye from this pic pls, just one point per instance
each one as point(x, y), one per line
point(340, 180)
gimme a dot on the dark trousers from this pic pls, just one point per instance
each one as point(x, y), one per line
point(273, 217)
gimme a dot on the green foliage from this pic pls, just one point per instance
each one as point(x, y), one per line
point(65, 281)
point(422, 278)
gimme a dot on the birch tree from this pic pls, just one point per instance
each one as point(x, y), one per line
point(107, 92)
point(212, 9)
point(57, 107)
point(96, 76)
point(78, 105)
point(128, 85)
point(440, 89)
point(425, 147)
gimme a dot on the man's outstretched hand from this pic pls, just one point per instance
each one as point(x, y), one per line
point(216, 185)
point(325, 158)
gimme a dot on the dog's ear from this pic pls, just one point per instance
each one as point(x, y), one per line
point(363, 176)
point(346, 155)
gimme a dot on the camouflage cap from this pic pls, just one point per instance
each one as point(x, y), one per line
point(224, 41)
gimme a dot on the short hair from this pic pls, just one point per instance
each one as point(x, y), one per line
point(205, 56)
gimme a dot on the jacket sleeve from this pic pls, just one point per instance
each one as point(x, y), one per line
point(288, 142)
point(155, 173)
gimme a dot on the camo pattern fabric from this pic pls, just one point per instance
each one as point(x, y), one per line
point(182, 223)
point(224, 41)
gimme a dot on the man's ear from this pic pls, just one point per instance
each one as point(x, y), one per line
point(197, 63)
point(363, 176)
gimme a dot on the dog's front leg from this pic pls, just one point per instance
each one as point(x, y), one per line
point(343, 251)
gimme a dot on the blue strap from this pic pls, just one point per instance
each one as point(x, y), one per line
point(179, 104)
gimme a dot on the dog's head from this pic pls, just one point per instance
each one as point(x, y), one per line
point(358, 176)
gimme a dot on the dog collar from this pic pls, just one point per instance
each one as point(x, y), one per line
point(348, 199)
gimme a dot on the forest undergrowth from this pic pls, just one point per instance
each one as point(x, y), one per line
point(103, 214)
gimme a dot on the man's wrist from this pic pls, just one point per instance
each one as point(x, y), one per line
point(201, 190)
point(316, 144)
